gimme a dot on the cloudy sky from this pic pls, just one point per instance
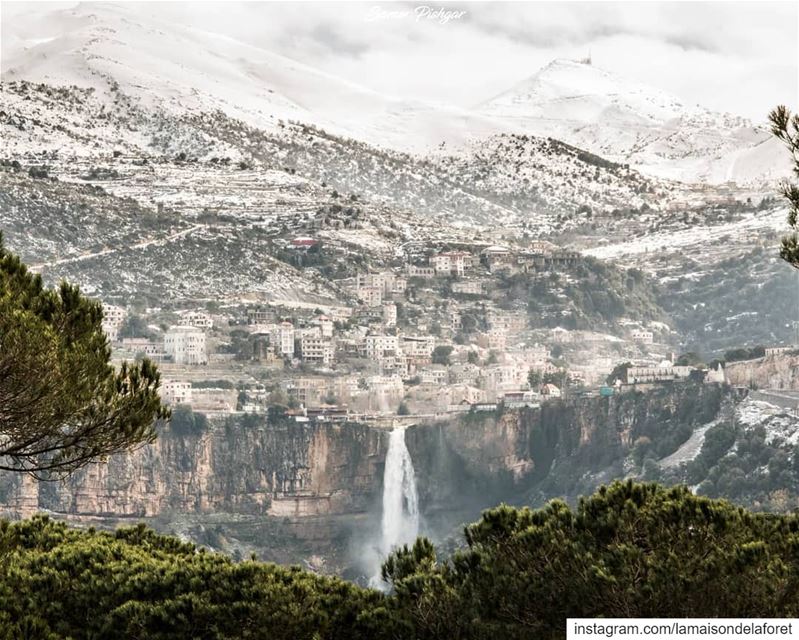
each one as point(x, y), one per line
point(732, 56)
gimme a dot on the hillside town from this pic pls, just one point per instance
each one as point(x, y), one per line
point(427, 337)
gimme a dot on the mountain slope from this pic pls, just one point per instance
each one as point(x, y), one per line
point(548, 180)
point(76, 130)
point(632, 123)
point(105, 46)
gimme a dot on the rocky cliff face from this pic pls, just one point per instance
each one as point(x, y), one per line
point(565, 448)
point(238, 465)
point(300, 491)
point(780, 371)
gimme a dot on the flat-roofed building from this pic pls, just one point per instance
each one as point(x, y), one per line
point(186, 345)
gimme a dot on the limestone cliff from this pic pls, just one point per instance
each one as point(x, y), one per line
point(779, 371)
point(303, 491)
point(238, 465)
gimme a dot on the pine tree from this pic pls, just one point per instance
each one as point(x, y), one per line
point(62, 403)
point(785, 126)
point(630, 550)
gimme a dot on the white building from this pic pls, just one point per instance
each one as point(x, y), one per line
point(418, 346)
point(466, 373)
point(642, 336)
point(260, 316)
point(549, 390)
point(451, 263)
point(455, 319)
point(143, 345)
point(111, 332)
point(505, 377)
point(325, 325)
point(213, 400)
point(316, 349)
point(495, 256)
point(282, 336)
point(176, 392)
point(663, 373)
point(508, 321)
point(186, 345)
point(434, 374)
point(542, 246)
point(378, 346)
point(389, 314)
point(465, 392)
point(114, 314)
point(536, 356)
point(387, 282)
point(473, 287)
point(307, 391)
point(774, 351)
point(113, 319)
point(420, 272)
point(400, 285)
point(493, 339)
point(458, 397)
point(371, 296)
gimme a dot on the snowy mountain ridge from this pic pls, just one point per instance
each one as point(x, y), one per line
point(629, 122)
point(188, 71)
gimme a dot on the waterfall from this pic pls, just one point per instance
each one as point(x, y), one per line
point(400, 521)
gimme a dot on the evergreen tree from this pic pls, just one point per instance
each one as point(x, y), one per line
point(59, 582)
point(785, 126)
point(630, 550)
point(441, 354)
point(619, 373)
point(62, 404)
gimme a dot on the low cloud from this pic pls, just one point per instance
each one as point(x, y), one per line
point(733, 56)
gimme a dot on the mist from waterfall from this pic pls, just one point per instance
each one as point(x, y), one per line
point(400, 520)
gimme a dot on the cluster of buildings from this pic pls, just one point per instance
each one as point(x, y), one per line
point(425, 337)
point(184, 343)
point(204, 398)
point(467, 262)
point(427, 386)
point(342, 358)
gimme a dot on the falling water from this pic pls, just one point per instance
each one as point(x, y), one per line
point(400, 522)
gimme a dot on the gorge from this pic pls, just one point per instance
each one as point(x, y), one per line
point(321, 494)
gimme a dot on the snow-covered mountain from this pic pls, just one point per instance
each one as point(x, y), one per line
point(119, 49)
point(185, 70)
point(629, 122)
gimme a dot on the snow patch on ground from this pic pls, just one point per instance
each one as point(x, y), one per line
point(753, 412)
point(778, 422)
